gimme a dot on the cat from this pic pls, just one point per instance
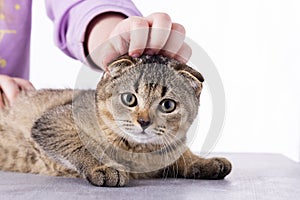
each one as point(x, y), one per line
point(132, 126)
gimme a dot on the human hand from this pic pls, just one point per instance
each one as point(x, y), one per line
point(154, 34)
point(10, 87)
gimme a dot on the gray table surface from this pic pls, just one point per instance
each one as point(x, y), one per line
point(254, 176)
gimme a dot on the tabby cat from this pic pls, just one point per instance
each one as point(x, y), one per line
point(132, 126)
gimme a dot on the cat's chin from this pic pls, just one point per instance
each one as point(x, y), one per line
point(143, 138)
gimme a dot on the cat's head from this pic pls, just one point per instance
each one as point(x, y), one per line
point(149, 100)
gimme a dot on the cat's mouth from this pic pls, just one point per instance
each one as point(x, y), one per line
point(143, 137)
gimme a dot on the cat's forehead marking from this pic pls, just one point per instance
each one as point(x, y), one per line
point(151, 90)
point(137, 83)
point(150, 86)
point(164, 90)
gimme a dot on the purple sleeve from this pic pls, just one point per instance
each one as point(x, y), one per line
point(71, 18)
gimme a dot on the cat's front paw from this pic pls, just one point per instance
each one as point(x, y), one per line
point(107, 176)
point(213, 168)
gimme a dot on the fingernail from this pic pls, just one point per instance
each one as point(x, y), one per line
point(135, 55)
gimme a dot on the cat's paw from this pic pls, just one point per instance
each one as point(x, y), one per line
point(223, 167)
point(107, 176)
point(213, 168)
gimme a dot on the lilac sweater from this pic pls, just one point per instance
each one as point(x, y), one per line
point(70, 18)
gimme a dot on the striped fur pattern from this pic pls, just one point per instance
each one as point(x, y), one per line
point(133, 125)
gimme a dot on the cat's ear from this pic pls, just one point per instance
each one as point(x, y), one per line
point(118, 66)
point(194, 78)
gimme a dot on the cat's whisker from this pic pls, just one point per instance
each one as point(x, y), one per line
point(178, 141)
point(103, 154)
point(168, 144)
point(168, 151)
point(164, 146)
point(127, 124)
point(175, 154)
point(113, 151)
point(119, 140)
point(159, 131)
point(123, 120)
point(166, 172)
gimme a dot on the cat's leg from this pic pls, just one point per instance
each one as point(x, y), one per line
point(95, 172)
point(192, 166)
point(57, 134)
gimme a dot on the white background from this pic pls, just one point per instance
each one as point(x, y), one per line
point(255, 46)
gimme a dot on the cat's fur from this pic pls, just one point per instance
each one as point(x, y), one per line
point(95, 135)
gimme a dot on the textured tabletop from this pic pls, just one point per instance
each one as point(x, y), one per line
point(254, 176)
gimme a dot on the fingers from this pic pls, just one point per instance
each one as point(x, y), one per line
point(24, 84)
point(184, 53)
point(155, 34)
point(11, 87)
point(175, 41)
point(105, 54)
point(1, 100)
point(131, 36)
point(160, 24)
point(138, 36)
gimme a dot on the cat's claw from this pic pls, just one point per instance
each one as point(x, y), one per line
point(107, 176)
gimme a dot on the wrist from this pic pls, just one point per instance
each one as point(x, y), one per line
point(99, 30)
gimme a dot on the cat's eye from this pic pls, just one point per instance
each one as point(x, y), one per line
point(167, 106)
point(129, 99)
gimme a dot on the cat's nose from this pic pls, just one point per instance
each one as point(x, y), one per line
point(144, 123)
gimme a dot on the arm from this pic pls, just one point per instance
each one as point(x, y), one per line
point(81, 27)
point(72, 17)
